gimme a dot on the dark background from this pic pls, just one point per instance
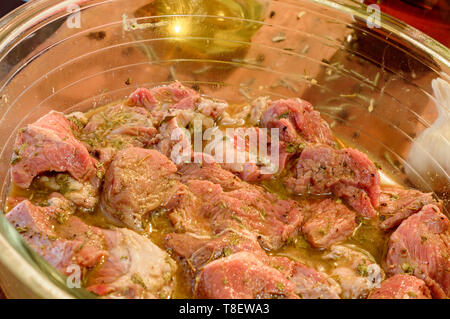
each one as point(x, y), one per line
point(8, 5)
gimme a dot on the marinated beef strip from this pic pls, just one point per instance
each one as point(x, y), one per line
point(194, 252)
point(233, 265)
point(240, 154)
point(242, 276)
point(401, 286)
point(62, 240)
point(309, 283)
point(117, 127)
point(174, 139)
point(204, 167)
point(328, 222)
point(397, 204)
point(420, 247)
point(175, 109)
point(49, 145)
point(321, 168)
point(137, 182)
point(162, 100)
point(112, 263)
point(346, 173)
point(228, 202)
point(298, 123)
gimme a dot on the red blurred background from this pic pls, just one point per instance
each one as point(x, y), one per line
point(430, 16)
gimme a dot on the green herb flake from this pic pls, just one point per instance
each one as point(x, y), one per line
point(407, 268)
point(227, 251)
point(280, 286)
point(423, 239)
point(283, 115)
point(100, 174)
point(280, 37)
point(301, 242)
point(22, 147)
point(236, 218)
point(16, 159)
point(61, 218)
point(80, 247)
point(412, 294)
point(293, 148)
point(64, 185)
point(235, 240)
point(362, 270)
point(22, 230)
point(135, 278)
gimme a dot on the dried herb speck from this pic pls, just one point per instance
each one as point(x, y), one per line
point(280, 37)
point(100, 35)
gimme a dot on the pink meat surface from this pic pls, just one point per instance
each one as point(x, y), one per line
point(118, 127)
point(208, 261)
point(47, 230)
point(164, 99)
point(242, 276)
point(329, 223)
point(401, 286)
point(113, 263)
point(248, 153)
point(397, 204)
point(137, 182)
point(135, 268)
point(298, 122)
point(49, 145)
point(346, 173)
point(420, 247)
point(273, 221)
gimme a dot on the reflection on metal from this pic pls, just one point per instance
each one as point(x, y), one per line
point(429, 157)
point(216, 31)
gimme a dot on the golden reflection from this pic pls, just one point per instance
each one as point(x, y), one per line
point(216, 36)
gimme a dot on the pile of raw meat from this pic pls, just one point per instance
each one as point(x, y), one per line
point(117, 165)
